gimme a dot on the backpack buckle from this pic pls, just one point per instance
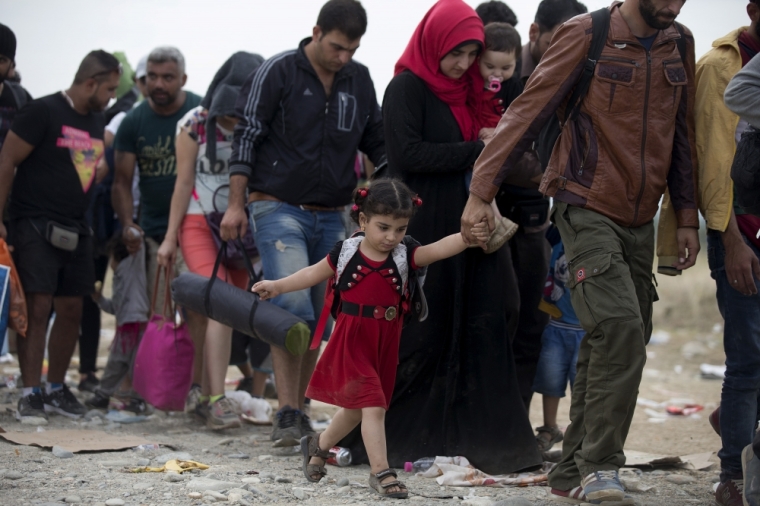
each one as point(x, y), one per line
point(562, 183)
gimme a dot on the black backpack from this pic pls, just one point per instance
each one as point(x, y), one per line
point(600, 21)
point(745, 172)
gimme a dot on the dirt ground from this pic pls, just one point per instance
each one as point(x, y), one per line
point(688, 333)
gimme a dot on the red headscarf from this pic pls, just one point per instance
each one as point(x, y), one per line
point(446, 26)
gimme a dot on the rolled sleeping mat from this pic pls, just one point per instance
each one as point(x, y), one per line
point(241, 309)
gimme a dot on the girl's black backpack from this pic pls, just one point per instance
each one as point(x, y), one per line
point(745, 171)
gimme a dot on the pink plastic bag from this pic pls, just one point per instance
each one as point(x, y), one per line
point(163, 370)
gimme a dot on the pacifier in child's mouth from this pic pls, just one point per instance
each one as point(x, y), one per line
point(494, 84)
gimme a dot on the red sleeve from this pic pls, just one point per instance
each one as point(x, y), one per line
point(412, 265)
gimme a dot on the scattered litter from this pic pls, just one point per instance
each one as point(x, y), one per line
point(717, 328)
point(147, 447)
point(679, 479)
point(75, 441)
point(678, 369)
point(251, 409)
point(693, 349)
point(660, 337)
point(694, 462)
point(62, 453)
point(124, 417)
point(710, 371)
point(687, 410)
point(458, 472)
point(177, 466)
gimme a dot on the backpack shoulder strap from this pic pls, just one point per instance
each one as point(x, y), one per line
point(600, 21)
point(18, 94)
point(681, 41)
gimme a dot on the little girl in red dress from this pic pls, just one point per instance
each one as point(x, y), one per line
point(375, 275)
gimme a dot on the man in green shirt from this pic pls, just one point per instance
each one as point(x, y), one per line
point(146, 136)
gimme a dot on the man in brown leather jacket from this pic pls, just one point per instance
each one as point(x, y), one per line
point(632, 139)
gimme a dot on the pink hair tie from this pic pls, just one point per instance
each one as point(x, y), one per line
point(354, 207)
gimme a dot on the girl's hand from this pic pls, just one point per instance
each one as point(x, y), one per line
point(167, 252)
point(266, 289)
point(480, 232)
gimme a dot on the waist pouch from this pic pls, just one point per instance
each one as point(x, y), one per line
point(60, 236)
point(530, 213)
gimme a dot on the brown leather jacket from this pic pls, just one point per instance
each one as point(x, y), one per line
point(634, 134)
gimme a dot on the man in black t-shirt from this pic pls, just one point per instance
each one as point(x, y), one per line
point(55, 142)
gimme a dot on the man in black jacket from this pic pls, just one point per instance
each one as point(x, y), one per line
point(303, 115)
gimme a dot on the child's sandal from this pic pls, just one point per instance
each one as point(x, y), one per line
point(309, 449)
point(382, 488)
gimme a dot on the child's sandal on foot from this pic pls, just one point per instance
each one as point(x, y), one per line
point(375, 482)
point(309, 449)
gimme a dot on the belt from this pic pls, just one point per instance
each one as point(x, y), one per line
point(259, 196)
point(376, 312)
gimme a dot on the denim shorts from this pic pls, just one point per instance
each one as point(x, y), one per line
point(556, 365)
point(290, 239)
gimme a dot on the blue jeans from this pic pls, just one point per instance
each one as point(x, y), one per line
point(290, 239)
point(741, 342)
point(556, 364)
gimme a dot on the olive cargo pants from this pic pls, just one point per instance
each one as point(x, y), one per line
point(612, 290)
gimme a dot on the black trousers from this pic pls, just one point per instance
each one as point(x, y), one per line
point(89, 336)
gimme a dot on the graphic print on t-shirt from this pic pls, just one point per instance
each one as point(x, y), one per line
point(157, 160)
point(85, 153)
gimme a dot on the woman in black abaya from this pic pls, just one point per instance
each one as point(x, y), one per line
point(456, 391)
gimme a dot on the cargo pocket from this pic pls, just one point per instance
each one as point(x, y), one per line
point(591, 286)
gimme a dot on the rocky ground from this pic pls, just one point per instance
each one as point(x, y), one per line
point(246, 469)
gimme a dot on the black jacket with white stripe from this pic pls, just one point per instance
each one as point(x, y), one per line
point(296, 143)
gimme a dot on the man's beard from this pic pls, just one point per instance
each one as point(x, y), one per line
point(650, 15)
point(162, 97)
point(94, 105)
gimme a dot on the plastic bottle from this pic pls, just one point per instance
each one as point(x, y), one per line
point(419, 466)
point(342, 457)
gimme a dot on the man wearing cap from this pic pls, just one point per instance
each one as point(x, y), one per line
point(55, 142)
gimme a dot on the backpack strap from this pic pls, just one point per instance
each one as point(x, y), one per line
point(681, 41)
point(18, 94)
point(600, 20)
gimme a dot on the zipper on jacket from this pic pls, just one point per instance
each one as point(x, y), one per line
point(644, 141)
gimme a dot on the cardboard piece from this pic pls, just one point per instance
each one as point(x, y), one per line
point(695, 462)
point(76, 441)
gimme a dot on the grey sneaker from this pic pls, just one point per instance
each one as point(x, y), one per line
point(751, 471)
point(287, 431)
point(31, 406)
point(63, 402)
point(603, 486)
point(221, 416)
point(193, 399)
point(305, 426)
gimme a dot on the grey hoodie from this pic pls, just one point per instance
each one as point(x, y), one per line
point(743, 93)
point(130, 296)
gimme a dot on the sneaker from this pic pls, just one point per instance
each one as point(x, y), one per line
point(97, 401)
point(193, 399)
point(287, 431)
point(751, 471)
point(305, 426)
point(729, 493)
point(221, 416)
point(245, 385)
point(572, 496)
point(714, 420)
point(89, 384)
point(63, 402)
point(603, 486)
point(136, 406)
point(201, 411)
point(30, 406)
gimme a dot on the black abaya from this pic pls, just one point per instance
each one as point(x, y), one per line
point(456, 391)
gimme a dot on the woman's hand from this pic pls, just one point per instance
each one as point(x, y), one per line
point(167, 252)
point(266, 289)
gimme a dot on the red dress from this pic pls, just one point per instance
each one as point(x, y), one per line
point(358, 367)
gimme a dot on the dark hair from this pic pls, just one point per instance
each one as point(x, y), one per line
point(346, 16)
point(98, 65)
point(496, 12)
point(551, 13)
point(116, 248)
point(384, 197)
point(502, 38)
